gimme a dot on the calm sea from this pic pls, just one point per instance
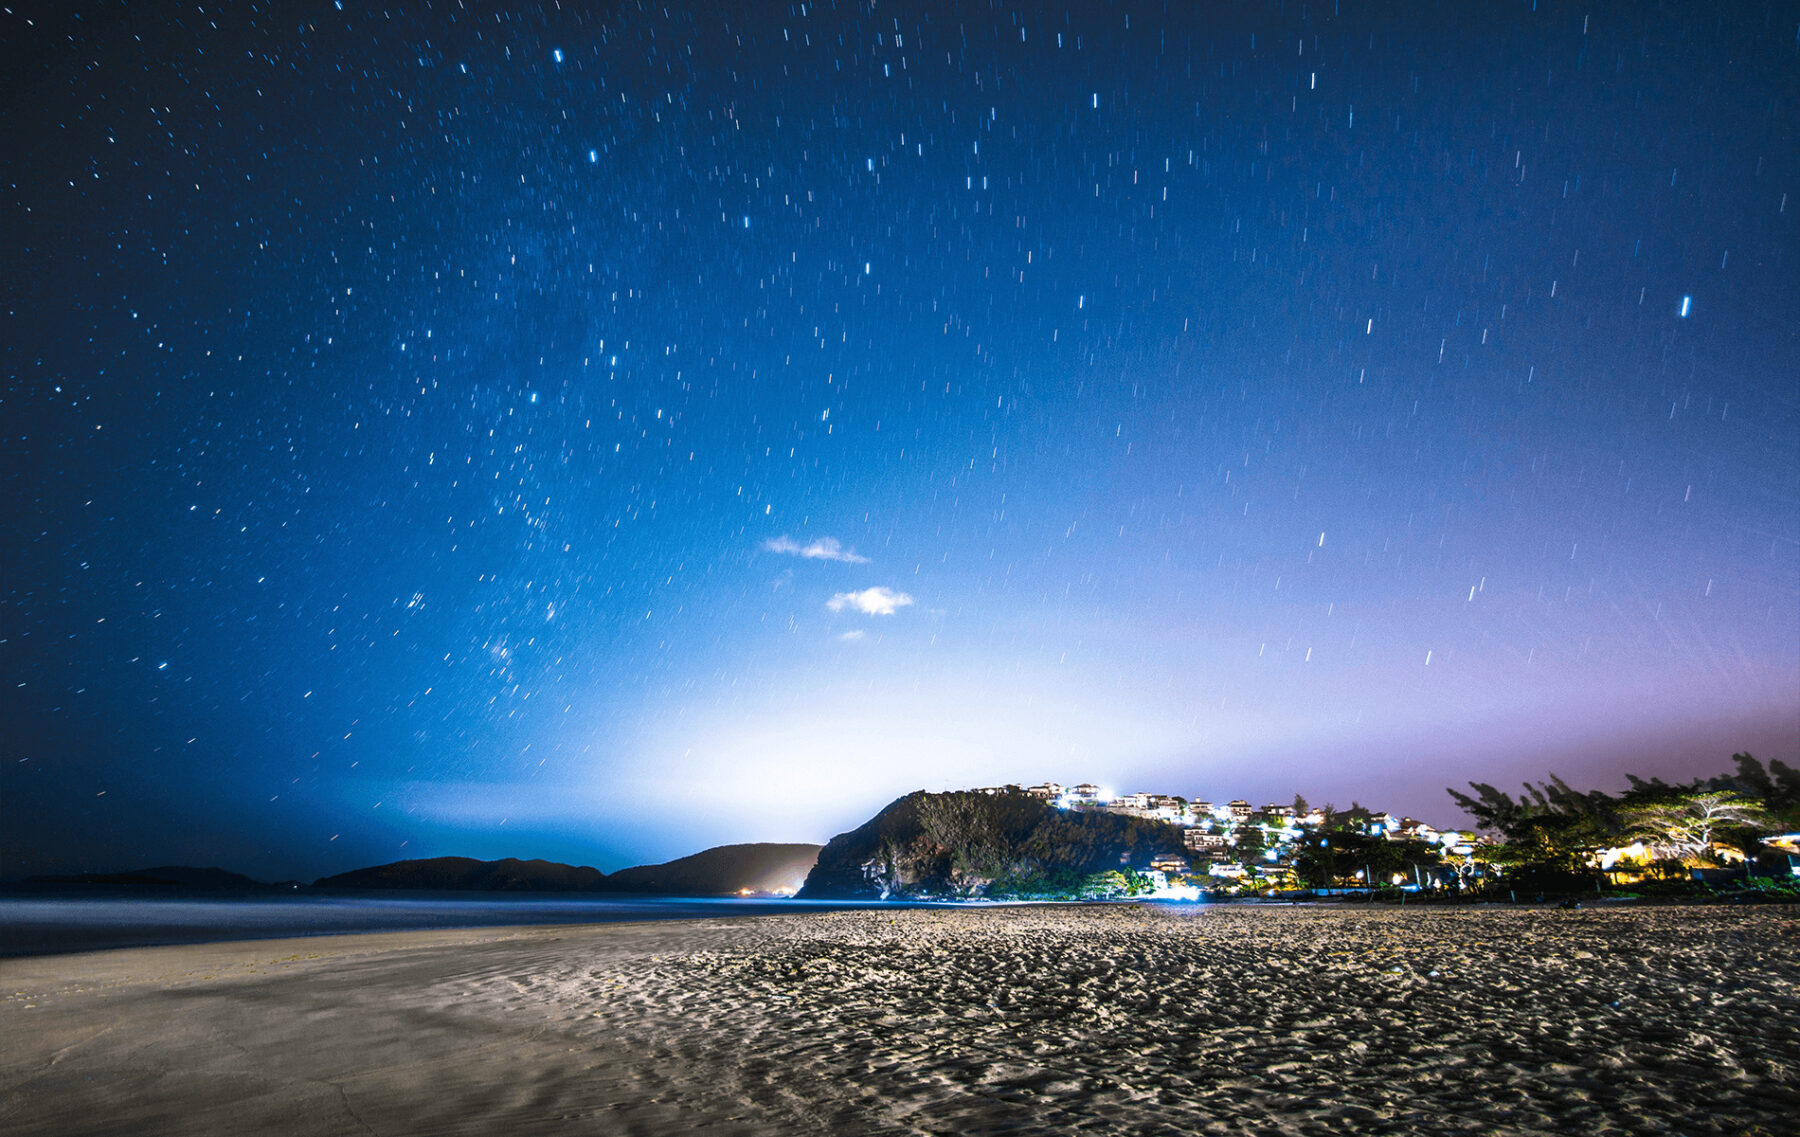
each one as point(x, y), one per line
point(41, 924)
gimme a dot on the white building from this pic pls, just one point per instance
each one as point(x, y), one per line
point(1416, 830)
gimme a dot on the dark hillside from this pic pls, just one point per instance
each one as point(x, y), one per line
point(465, 874)
point(727, 870)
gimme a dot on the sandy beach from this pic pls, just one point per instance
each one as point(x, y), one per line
point(1116, 1020)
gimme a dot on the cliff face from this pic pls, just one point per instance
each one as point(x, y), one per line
point(885, 856)
point(972, 844)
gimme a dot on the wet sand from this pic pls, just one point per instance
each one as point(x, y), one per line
point(1101, 1019)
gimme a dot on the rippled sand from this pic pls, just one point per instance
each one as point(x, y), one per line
point(1103, 1019)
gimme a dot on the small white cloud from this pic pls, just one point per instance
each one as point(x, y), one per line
point(877, 601)
point(824, 549)
point(853, 635)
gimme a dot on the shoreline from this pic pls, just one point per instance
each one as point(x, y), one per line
point(63, 924)
point(987, 1019)
point(29, 929)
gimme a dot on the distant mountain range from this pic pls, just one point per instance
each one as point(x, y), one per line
point(924, 845)
point(728, 870)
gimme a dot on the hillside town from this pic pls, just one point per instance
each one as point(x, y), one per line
point(1236, 847)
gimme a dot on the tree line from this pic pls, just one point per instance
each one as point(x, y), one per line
point(1553, 832)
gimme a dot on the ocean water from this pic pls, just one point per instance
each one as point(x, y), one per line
point(41, 924)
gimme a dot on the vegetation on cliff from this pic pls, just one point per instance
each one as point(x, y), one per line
point(994, 845)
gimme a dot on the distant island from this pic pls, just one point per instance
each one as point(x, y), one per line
point(465, 874)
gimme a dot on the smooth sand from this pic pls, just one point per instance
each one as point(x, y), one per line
point(1109, 1019)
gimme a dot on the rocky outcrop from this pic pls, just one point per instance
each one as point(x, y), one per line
point(970, 844)
point(886, 856)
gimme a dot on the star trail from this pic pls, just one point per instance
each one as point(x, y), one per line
point(603, 431)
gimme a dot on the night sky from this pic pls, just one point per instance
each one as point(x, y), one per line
point(600, 432)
